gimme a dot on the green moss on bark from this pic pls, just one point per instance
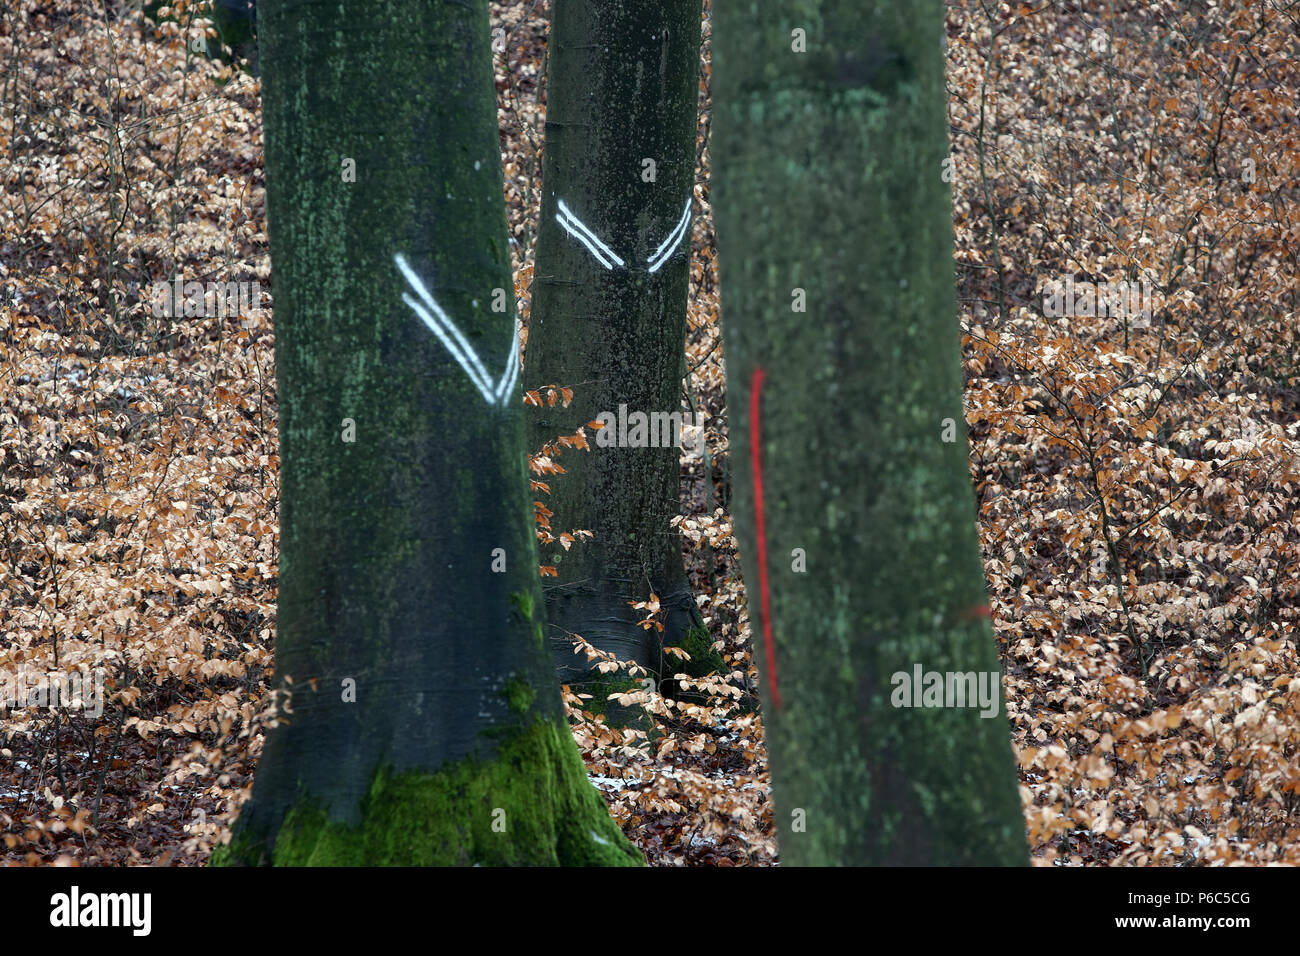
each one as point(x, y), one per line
point(600, 687)
point(704, 660)
point(529, 805)
point(523, 602)
point(519, 695)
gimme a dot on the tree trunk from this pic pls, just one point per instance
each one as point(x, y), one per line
point(426, 727)
point(609, 311)
point(855, 520)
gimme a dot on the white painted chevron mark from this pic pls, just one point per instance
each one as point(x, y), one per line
point(437, 320)
point(574, 227)
point(669, 245)
point(511, 373)
point(606, 256)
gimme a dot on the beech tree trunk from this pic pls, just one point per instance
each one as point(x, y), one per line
point(426, 726)
point(853, 503)
point(609, 312)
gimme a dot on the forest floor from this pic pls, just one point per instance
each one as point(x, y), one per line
point(1135, 475)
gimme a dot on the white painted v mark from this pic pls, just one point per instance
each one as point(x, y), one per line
point(452, 339)
point(606, 256)
point(669, 245)
point(574, 227)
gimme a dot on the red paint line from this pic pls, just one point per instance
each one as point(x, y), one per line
point(756, 463)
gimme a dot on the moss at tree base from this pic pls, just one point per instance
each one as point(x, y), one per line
point(704, 660)
point(619, 716)
point(530, 805)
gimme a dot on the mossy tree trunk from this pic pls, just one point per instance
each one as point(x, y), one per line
point(609, 311)
point(426, 727)
point(828, 148)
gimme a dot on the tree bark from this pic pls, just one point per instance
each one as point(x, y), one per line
point(426, 727)
point(855, 517)
point(609, 310)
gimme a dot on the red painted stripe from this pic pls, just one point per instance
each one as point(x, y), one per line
point(756, 463)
